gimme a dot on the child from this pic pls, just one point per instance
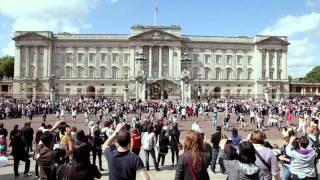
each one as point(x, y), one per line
point(3, 146)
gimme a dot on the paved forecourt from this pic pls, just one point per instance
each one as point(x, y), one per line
point(273, 135)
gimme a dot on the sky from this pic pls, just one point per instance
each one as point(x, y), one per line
point(297, 19)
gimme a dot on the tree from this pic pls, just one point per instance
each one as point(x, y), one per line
point(6, 66)
point(290, 78)
point(313, 76)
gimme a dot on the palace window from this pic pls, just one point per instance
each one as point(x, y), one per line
point(31, 71)
point(101, 91)
point(207, 58)
point(218, 74)
point(206, 73)
point(249, 60)
point(249, 92)
point(114, 91)
point(239, 71)
point(239, 59)
point(279, 75)
point(126, 57)
point(126, 70)
point(79, 91)
point(67, 90)
point(40, 71)
point(249, 74)
point(69, 57)
point(92, 57)
point(115, 57)
point(103, 57)
point(103, 72)
point(238, 92)
point(229, 73)
point(195, 58)
point(80, 57)
point(80, 72)
point(263, 74)
point(218, 59)
point(91, 72)
point(229, 59)
point(68, 72)
point(271, 74)
point(114, 72)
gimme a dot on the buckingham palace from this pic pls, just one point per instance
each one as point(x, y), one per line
point(151, 62)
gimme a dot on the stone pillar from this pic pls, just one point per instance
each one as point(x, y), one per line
point(182, 91)
point(267, 65)
point(150, 61)
point(132, 62)
point(17, 62)
point(284, 65)
point(27, 62)
point(45, 62)
point(275, 76)
point(317, 90)
point(160, 61)
point(178, 71)
point(36, 66)
point(125, 94)
point(171, 68)
point(49, 61)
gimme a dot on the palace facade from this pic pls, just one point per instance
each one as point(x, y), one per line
point(152, 62)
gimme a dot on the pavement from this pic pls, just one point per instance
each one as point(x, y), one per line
point(167, 172)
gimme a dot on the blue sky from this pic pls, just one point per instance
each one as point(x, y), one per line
point(298, 19)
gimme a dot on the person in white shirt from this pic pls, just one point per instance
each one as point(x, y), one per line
point(183, 113)
point(74, 114)
point(148, 144)
point(196, 127)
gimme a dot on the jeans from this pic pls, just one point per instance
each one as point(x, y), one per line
point(161, 156)
point(152, 153)
point(215, 153)
point(286, 173)
point(16, 165)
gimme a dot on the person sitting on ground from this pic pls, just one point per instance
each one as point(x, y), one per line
point(121, 162)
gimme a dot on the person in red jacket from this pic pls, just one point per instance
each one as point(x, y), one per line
point(135, 141)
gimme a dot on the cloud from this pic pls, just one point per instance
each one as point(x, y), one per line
point(291, 25)
point(47, 15)
point(302, 32)
point(313, 3)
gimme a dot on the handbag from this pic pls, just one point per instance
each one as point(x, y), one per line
point(190, 166)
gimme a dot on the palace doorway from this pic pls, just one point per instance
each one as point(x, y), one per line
point(91, 91)
point(217, 92)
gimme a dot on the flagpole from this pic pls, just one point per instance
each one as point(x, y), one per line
point(155, 12)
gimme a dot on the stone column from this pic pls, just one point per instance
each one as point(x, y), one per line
point(284, 65)
point(267, 64)
point(27, 62)
point(177, 71)
point(17, 62)
point(132, 62)
point(36, 67)
point(182, 91)
point(49, 61)
point(171, 68)
point(317, 90)
point(275, 65)
point(160, 61)
point(150, 61)
point(45, 62)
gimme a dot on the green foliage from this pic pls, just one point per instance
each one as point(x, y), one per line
point(290, 78)
point(6, 66)
point(313, 76)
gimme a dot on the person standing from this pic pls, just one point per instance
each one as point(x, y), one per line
point(27, 136)
point(148, 144)
point(193, 163)
point(135, 141)
point(122, 164)
point(74, 114)
point(215, 117)
point(97, 143)
point(163, 147)
point(19, 153)
point(215, 140)
point(174, 143)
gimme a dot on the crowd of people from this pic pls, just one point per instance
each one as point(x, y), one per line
point(120, 131)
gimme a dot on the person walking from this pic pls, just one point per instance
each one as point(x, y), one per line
point(174, 143)
point(135, 141)
point(97, 151)
point(148, 144)
point(215, 140)
point(27, 136)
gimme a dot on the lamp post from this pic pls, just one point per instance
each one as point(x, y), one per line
point(21, 88)
point(126, 88)
point(52, 91)
point(199, 86)
point(140, 78)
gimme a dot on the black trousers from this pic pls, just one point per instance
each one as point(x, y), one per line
point(136, 151)
point(174, 152)
point(94, 155)
point(16, 162)
point(295, 177)
point(161, 156)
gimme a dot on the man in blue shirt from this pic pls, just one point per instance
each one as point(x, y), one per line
point(121, 162)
